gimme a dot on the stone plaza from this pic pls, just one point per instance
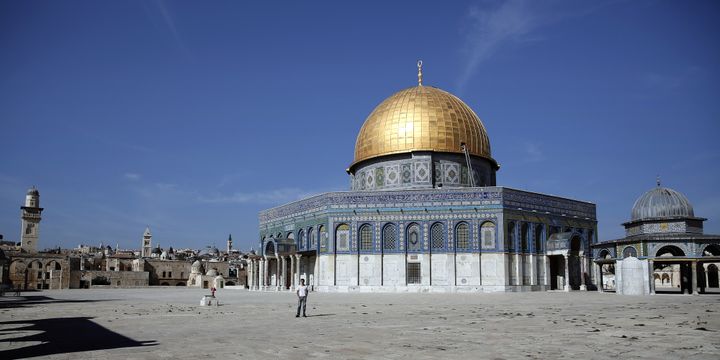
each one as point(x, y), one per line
point(168, 322)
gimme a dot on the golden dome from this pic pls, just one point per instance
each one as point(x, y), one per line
point(421, 118)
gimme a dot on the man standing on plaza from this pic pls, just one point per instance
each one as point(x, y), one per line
point(302, 293)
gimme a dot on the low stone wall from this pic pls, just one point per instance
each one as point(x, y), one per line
point(108, 279)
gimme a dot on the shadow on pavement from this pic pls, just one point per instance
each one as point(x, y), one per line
point(29, 300)
point(61, 336)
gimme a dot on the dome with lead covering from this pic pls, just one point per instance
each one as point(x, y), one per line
point(662, 202)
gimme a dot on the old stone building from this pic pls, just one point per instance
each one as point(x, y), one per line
point(424, 214)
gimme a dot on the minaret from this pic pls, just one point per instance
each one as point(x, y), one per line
point(30, 233)
point(229, 244)
point(146, 243)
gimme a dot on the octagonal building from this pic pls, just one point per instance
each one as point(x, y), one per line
point(424, 214)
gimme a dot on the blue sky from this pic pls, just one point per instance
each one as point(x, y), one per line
point(193, 116)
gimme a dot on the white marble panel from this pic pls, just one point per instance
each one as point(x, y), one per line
point(494, 269)
point(394, 270)
point(370, 270)
point(346, 267)
point(468, 269)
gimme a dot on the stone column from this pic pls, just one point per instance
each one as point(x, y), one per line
point(258, 274)
point(265, 273)
point(598, 277)
point(293, 278)
point(254, 275)
point(693, 267)
point(284, 274)
point(518, 269)
point(651, 270)
point(277, 272)
point(705, 271)
point(583, 270)
point(297, 261)
point(533, 270)
point(566, 281)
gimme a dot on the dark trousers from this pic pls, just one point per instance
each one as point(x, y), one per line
point(302, 302)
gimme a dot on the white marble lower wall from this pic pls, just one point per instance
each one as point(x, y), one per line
point(428, 289)
point(326, 270)
point(346, 270)
point(495, 270)
point(370, 270)
point(467, 269)
point(393, 270)
point(462, 272)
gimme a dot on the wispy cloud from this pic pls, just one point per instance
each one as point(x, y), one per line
point(491, 25)
point(161, 11)
point(489, 28)
point(132, 176)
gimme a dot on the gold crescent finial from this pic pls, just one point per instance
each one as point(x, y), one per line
point(419, 65)
point(658, 180)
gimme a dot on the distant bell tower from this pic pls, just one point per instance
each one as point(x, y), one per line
point(31, 221)
point(229, 244)
point(146, 243)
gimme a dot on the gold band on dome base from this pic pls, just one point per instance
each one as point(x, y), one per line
point(421, 118)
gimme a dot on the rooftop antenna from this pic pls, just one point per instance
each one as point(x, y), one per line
point(471, 173)
point(419, 65)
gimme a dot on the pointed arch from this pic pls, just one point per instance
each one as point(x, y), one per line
point(437, 236)
point(365, 238)
point(389, 237)
point(342, 237)
point(462, 236)
point(413, 237)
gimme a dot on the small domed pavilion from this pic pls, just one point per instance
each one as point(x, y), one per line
point(664, 233)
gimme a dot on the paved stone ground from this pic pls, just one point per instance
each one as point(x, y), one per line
point(161, 323)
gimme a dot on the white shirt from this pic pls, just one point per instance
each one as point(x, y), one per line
point(302, 290)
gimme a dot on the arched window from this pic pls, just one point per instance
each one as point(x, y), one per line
point(303, 239)
point(342, 237)
point(510, 236)
point(313, 239)
point(462, 236)
point(525, 241)
point(629, 251)
point(437, 236)
point(487, 231)
point(389, 237)
point(365, 238)
point(269, 248)
point(413, 237)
